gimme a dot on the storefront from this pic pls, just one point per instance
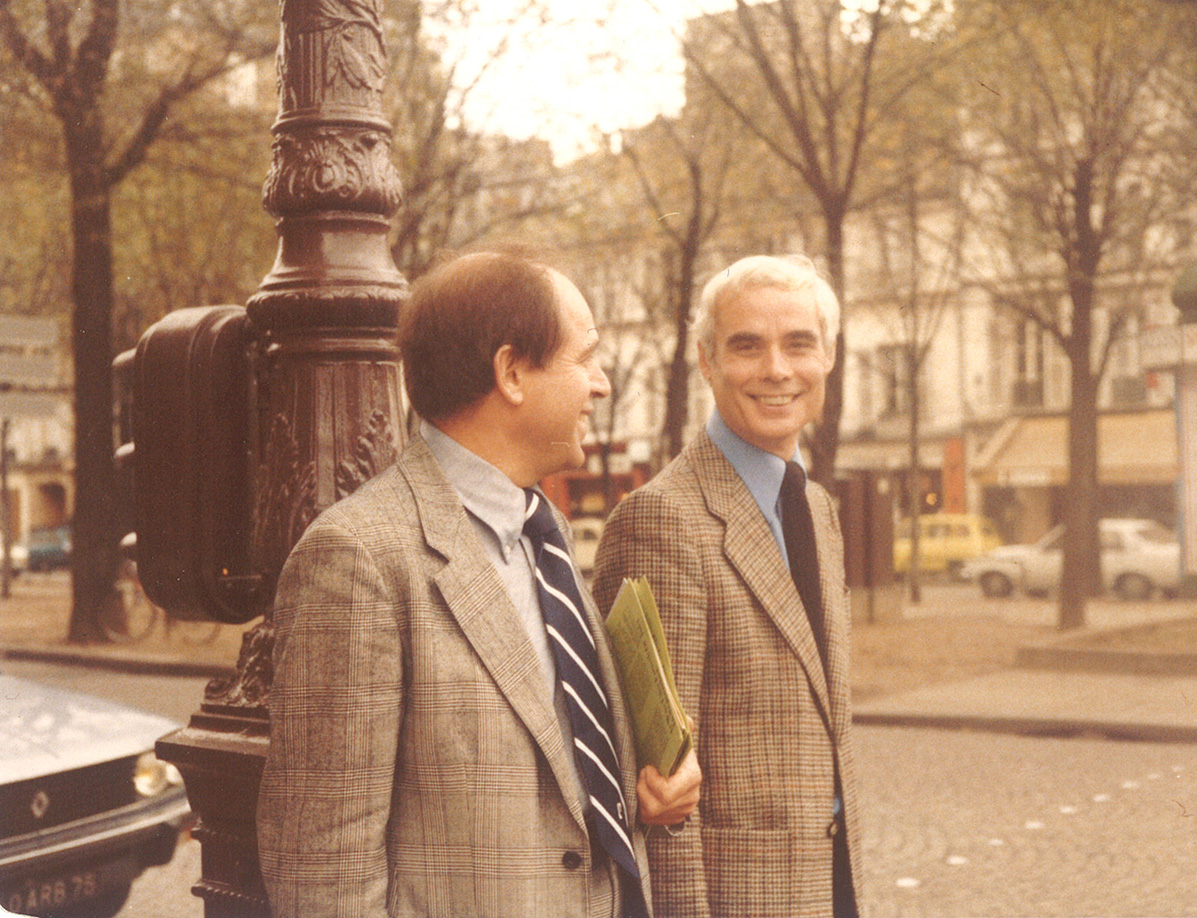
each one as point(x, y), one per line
point(1022, 470)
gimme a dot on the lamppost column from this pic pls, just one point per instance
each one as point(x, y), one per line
point(325, 410)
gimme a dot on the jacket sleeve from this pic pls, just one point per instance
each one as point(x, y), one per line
point(335, 713)
point(646, 536)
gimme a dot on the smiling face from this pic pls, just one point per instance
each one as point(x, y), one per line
point(560, 396)
point(768, 366)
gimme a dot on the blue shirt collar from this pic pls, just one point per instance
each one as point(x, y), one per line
point(485, 491)
point(760, 471)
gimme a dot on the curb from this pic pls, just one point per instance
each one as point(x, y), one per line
point(1043, 727)
point(1095, 660)
point(139, 664)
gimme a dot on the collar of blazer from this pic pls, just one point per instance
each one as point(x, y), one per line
point(475, 597)
point(765, 572)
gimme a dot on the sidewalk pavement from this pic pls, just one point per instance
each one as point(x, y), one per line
point(1064, 702)
point(1053, 691)
point(35, 619)
point(1062, 685)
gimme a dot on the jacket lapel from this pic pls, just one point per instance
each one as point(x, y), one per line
point(475, 597)
point(752, 551)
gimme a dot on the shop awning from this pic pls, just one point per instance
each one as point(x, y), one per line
point(1133, 448)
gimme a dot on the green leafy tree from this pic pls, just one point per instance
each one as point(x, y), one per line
point(682, 169)
point(819, 83)
point(34, 267)
point(191, 224)
point(1068, 152)
point(110, 108)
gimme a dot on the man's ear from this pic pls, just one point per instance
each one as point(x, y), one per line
point(510, 374)
point(704, 362)
point(830, 351)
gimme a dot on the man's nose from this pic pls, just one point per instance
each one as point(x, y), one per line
point(600, 386)
point(776, 365)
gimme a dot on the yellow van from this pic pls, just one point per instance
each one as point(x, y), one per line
point(946, 541)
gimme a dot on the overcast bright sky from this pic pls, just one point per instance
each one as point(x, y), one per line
point(619, 69)
point(574, 76)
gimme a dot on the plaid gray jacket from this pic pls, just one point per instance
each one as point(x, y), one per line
point(772, 726)
point(416, 763)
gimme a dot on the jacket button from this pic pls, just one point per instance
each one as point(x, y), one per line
point(571, 860)
point(833, 828)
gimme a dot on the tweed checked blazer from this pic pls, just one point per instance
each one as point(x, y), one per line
point(772, 727)
point(417, 766)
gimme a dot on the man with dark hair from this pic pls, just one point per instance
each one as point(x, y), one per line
point(448, 736)
point(746, 560)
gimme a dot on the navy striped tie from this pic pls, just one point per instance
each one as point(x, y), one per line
point(577, 668)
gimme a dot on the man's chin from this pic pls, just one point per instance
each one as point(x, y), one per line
point(566, 456)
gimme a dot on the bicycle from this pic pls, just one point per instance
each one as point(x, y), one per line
point(135, 617)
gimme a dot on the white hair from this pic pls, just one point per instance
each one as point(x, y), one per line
point(795, 273)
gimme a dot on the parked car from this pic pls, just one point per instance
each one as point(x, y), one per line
point(587, 531)
point(1138, 557)
point(946, 541)
point(85, 806)
point(49, 548)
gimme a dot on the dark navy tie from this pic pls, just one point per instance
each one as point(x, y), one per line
point(799, 531)
point(577, 668)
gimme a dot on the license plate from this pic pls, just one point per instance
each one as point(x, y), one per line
point(48, 895)
point(35, 897)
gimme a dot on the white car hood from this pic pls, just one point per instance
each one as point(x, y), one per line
point(45, 730)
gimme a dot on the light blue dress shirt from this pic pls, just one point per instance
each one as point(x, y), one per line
point(496, 507)
point(760, 471)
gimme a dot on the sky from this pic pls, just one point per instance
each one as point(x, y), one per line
point(596, 66)
point(575, 78)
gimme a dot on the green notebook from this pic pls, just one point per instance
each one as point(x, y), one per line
point(662, 731)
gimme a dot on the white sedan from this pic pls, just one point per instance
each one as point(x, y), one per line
point(1138, 557)
point(85, 805)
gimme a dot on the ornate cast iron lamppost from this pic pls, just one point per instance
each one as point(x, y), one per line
point(312, 357)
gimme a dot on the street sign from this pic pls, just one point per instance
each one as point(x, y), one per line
point(21, 332)
point(1169, 347)
point(28, 370)
point(29, 404)
point(30, 378)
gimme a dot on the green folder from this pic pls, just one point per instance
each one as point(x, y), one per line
point(662, 731)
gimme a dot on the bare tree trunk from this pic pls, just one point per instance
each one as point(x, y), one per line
point(825, 441)
point(1081, 575)
point(677, 388)
point(95, 549)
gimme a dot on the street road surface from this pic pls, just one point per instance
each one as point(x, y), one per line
point(956, 824)
point(977, 824)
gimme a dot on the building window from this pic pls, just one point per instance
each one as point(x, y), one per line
point(1128, 385)
point(1028, 364)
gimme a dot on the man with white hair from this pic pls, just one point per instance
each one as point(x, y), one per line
point(745, 557)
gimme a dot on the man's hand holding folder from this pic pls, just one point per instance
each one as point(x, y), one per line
point(669, 771)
